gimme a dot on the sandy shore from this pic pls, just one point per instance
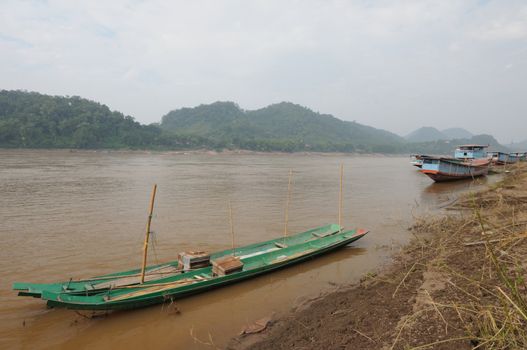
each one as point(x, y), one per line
point(460, 284)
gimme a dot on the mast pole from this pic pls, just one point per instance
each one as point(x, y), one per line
point(147, 235)
point(340, 197)
point(287, 202)
point(232, 228)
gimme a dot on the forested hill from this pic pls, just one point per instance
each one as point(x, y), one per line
point(33, 120)
point(29, 119)
point(282, 126)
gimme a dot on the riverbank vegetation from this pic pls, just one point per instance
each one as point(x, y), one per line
point(461, 284)
point(33, 120)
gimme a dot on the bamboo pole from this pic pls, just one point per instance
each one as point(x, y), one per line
point(232, 228)
point(287, 202)
point(147, 235)
point(340, 197)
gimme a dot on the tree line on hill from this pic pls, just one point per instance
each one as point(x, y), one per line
point(33, 120)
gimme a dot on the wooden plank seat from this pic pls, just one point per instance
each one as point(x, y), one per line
point(150, 275)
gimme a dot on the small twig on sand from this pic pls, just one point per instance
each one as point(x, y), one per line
point(401, 330)
point(439, 312)
point(364, 335)
point(523, 235)
point(513, 303)
point(404, 278)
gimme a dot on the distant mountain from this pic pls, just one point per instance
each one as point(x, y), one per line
point(518, 146)
point(447, 147)
point(431, 134)
point(485, 139)
point(425, 134)
point(456, 133)
point(281, 126)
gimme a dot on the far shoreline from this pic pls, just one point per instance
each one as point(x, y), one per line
point(204, 151)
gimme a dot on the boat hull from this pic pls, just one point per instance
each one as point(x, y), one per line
point(447, 169)
point(442, 177)
point(76, 302)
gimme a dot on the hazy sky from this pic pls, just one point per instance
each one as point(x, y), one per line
point(396, 65)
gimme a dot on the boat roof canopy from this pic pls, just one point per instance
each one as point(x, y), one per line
point(472, 146)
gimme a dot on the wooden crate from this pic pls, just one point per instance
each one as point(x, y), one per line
point(226, 265)
point(193, 260)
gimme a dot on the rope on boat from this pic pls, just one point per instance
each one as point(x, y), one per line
point(153, 238)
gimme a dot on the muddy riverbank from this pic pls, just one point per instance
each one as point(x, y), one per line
point(459, 284)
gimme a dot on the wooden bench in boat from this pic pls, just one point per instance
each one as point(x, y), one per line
point(150, 275)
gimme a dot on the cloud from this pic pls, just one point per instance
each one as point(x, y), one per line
point(499, 21)
point(392, 64)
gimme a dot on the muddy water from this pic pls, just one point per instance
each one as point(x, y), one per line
point(75, 214)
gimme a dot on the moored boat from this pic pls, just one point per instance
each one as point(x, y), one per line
point(517, 156)
point(170, 269)
point(417, 160)
point(492, 156)
point(448, 169)
point(502, 158)
point(202, 279)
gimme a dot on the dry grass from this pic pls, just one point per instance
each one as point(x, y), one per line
point(480, 253)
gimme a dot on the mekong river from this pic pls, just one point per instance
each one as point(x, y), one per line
point(75, 214)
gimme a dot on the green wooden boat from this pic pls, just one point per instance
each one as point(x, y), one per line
point(165, 271)
point(180, 285)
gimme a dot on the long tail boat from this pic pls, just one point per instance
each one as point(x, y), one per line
point(254, 259)
point(448, 169)
point(193, 272)
point(161, 271)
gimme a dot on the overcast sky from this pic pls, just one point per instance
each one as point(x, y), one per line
point(396, 65)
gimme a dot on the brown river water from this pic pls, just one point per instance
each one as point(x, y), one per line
point(75, 214)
